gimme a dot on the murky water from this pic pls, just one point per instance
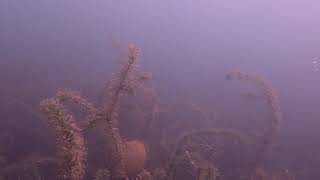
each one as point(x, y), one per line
point(218, 89)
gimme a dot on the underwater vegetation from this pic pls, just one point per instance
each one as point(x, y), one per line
point(91, 142)
point(273, 101)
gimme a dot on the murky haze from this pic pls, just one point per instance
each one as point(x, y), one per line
point(188, 46)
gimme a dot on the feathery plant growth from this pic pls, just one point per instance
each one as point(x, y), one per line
point(69, 135)
point(196, 146)
point(193, 153)
point(70, 141)
point(274, 102)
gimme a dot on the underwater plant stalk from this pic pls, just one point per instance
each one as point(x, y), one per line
point(273, 100)
point(70, 142)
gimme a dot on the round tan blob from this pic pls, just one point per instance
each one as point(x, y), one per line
point(134, 157)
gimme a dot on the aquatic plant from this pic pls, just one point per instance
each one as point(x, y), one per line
point(124, 82)
point(209, 173)
point(202, 137)
point(159, 174)
point(71, 142)
point(143, 175)
point(102, 174)
point(27, 168)
point(199, 143)
point(274, 102)
point(193, 153)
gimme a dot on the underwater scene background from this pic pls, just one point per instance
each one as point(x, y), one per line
point(159, 90)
